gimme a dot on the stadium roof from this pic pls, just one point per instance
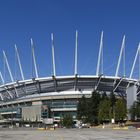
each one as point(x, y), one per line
point(36, 85)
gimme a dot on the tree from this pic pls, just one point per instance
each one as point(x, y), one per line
point(104, 110)
point(120, 110)
point(49, 112)
point(135, 110)
point(61, 121)
point(92, 114)
point(67, 121)
point(112, 102)
point(138, 109)
point(82, 109)
point(104, 96)
point(112, 99)
point(132, 111)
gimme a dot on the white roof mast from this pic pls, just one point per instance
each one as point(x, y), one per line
point(53, 55)
point(120, 56)
point(7, 64)
point(34, 60)
point(134, 63)
point(100, 56)
point(1, 77)
point(19, 62)
point(76, 49)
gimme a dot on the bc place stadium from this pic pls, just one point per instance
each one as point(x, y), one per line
point(32, 99)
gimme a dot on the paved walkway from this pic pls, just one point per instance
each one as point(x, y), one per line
point(70, 134)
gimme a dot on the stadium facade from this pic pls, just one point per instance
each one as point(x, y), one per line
point(37, 98)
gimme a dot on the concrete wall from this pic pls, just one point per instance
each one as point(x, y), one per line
point(32, 113)
point(131, 95)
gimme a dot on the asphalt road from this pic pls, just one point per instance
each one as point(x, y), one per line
point(70, 134)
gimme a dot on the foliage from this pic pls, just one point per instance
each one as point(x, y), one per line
point(67, 121)
point(61, 121)
point(132, 111)
point(138, 109)
point(92, 112)
point(120, 110)
point(49, 112)
point(100, 108)
point(82, 109)
point(104, 96)
point(112, 103)
point(112, 99)
point(135, 110)
point(104, 110)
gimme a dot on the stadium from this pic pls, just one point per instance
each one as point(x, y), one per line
point(33, 99)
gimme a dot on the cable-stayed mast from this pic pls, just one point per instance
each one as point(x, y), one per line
point(1, 77)
point(19, 62)
point(34, 60)
point(134, 63)
point(10, 73)
point(8, 67)
point(120, 56)
point(76, 49)
point(53, 55)
point(100, 57)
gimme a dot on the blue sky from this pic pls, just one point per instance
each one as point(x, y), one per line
point(22, 19)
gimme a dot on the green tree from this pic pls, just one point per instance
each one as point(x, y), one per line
point(112, 99)
point(112, 102)
point(92, 114)
point(138, 109)
point(104, 96)
point(135, 110)
point(82, 109)
point(104, 110)
point(67, 121)
point(61, 121)
point(49, 112)
point(120, 110)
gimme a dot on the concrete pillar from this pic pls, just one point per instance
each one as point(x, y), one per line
point(131, 93)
